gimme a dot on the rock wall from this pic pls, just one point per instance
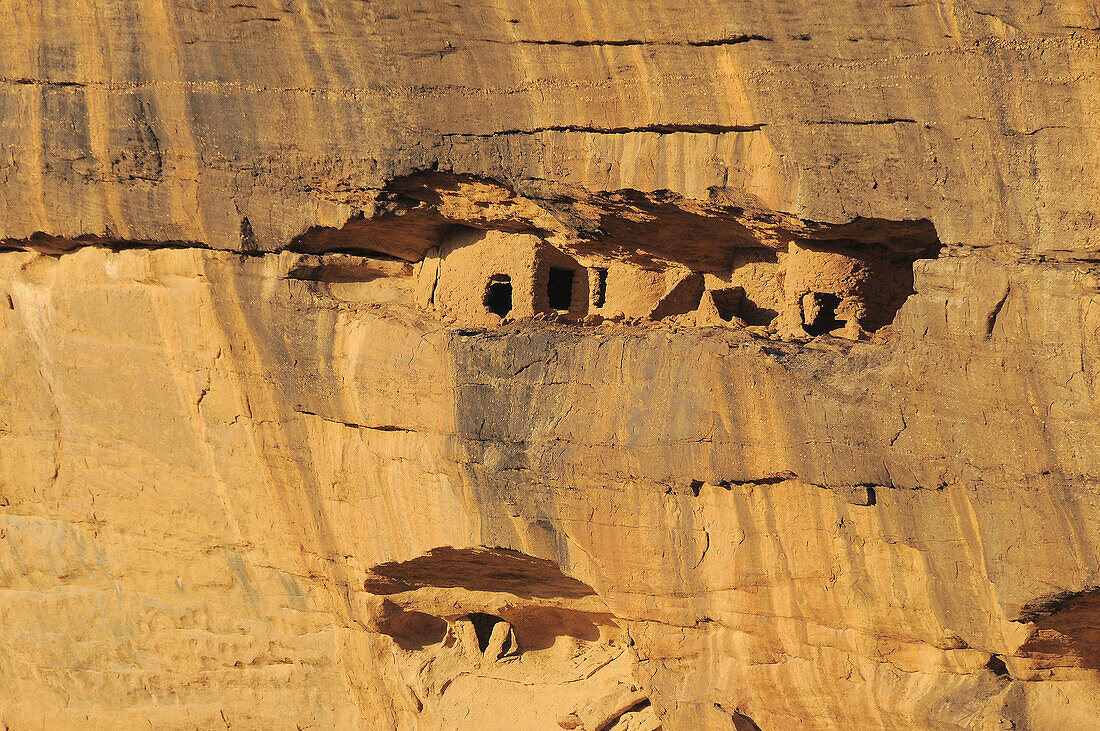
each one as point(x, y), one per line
point(175, 120)
point(820, 454)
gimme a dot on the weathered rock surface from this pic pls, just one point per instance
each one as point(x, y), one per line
point(549, 365)
point(178, 120)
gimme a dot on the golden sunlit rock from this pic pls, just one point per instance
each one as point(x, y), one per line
point(552, 365)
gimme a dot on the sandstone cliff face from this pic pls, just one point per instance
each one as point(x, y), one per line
point(549, 365)
point(173, 120)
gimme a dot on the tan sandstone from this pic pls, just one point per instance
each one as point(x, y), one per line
point(552, 365)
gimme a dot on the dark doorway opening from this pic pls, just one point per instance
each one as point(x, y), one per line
point(559, 288)
point(498, 294)
point(483, 627)
point(728, 301)
point(819, 313)
point(601, 287)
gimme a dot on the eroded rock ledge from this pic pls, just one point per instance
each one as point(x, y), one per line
point(485, 255)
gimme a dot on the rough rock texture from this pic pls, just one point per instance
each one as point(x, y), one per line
point(549, 365)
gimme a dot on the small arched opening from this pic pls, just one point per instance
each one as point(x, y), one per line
point(483, 627)
point(819, 313)
point(498, 295)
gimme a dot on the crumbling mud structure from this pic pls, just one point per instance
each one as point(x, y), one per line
point(501, 365)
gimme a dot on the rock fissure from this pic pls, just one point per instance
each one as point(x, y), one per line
point(353, 425)
point(656, 128)
point(864, 122)
point(733, 40)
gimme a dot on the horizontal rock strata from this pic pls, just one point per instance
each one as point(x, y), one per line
point(549, 365)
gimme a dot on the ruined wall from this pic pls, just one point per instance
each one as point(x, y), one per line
point(268, 458)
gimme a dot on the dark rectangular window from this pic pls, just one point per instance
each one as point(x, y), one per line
point(559, 288)
point(601, 287)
